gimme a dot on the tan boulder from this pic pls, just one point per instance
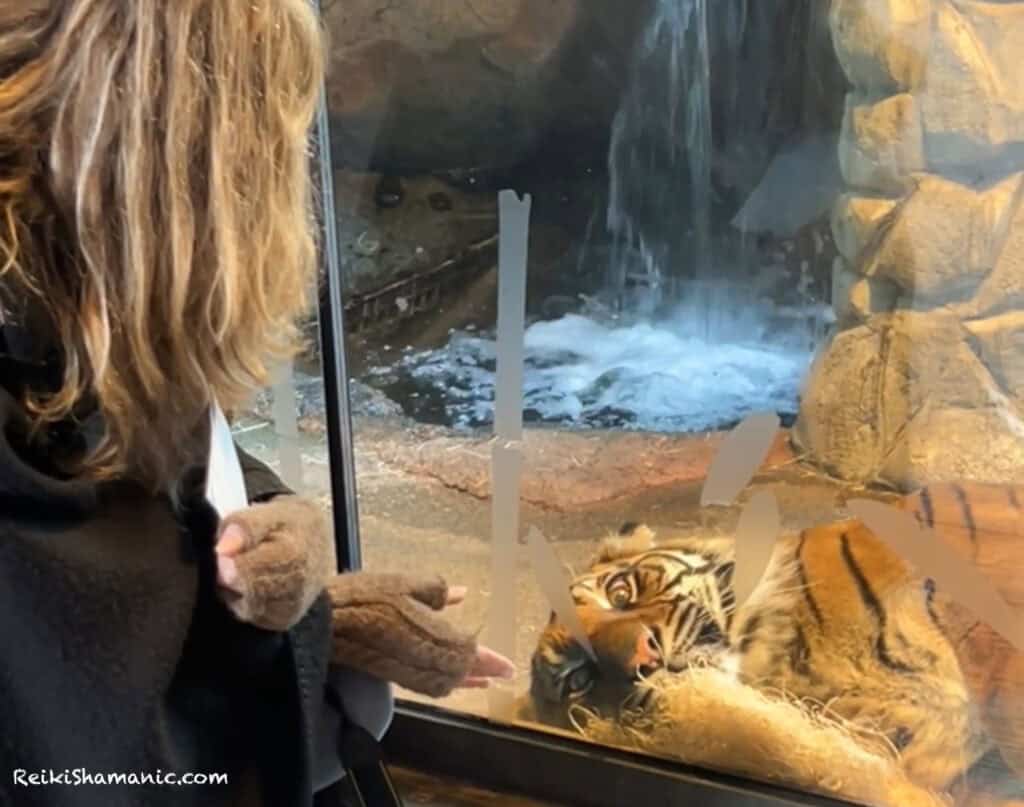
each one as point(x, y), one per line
point(999, 341)
point(871, 295)
point(843, 278)
point(882, 44)
point(948, 444)
point(836, 430)
point(856, 298)
point(943, 240)
point(881, 145)
point(924, 382)
point(857, 221)
point(873, 379)
point(1004, 284)
point(973, 98)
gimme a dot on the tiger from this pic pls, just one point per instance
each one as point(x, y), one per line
point(839, 620)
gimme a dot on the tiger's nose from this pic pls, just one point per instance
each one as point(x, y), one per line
point(623, 644)
point(647, 655)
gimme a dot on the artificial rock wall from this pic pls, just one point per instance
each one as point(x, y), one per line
point(418, 86)
point(924, 379)
point(426, 86)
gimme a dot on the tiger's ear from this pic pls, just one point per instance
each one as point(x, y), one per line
point(631, 540)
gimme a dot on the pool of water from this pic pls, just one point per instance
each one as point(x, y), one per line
point(651, 376)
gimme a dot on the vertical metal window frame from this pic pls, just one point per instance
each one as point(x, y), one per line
point(340, 437)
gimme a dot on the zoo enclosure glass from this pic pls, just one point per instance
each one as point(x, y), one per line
point(798, 210)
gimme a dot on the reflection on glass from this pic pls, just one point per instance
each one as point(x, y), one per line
point(285, 424)
point(802, 208)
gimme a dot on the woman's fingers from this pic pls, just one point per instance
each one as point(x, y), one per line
point(227, 573)
point(231, 541)
point(231, 544)
point(491, 665)
point(456, 595)
point(487, 666)
point(474, 682)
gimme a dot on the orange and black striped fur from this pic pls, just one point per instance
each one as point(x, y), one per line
point(840, 622)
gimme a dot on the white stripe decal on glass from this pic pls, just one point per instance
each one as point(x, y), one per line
point(554, 582)
point(506, 454)
point(756, 533)
point(738, 458)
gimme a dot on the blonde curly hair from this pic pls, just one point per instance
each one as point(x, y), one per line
point(156, 206)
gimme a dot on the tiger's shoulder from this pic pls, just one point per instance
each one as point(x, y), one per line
point(840, 568)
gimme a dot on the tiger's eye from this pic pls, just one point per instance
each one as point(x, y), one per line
point(579, 681)
point(619, 593)
point(619, 597)
point(710, 633)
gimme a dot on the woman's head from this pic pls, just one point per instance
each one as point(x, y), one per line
point(155, 204)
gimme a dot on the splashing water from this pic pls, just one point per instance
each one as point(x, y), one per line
point(646, 376)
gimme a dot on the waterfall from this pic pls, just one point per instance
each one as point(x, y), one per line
point(659, 206)
point(723, 86)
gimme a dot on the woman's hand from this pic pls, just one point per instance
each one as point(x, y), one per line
point(389, 626)
point(273, 561)
point(488, 664)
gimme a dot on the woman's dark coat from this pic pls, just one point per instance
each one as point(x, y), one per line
point(116, 656)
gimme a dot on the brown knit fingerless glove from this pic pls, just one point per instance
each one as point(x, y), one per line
point(287, 560)
point(385, 625)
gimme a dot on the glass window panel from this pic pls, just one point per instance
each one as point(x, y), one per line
point(804, 210)
point(285, 425)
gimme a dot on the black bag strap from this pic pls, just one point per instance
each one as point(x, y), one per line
point(367, 777)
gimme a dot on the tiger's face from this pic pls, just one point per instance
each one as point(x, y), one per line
point(643, 608)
